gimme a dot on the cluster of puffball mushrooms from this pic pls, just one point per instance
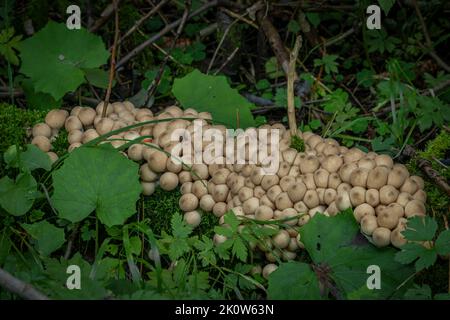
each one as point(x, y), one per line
point(324, 179)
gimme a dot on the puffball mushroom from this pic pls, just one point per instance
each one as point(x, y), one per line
point(147, 174)
point(357, 196)
point(358, 177)
point(55, 118)
point(414, 208)
point(53, 156)
point(73, 146)
point(263, 213)
point(219, 209)
point(73, 123)
point(75, 136)
point(368, 224)
point(87, 116)
point(309, 164)
point(377, 177)
point(157, 161)
point(387, 219)
point(381, 237)
point(282, 201)
point(89, 135)
point(135, 152)
point(101, 105)
point(186, 187)
point(104, 126)
point(42, 143)
point(42, 129)
point(363, 210)
point(388, 194)
point(207, 202)
point(397, 238)
point(168, 181)
point(192, 218)
point(296, 191)
point(281, 239)
point(372, 197)
point(268, 269)
point(332, 163)
point(343, 201)
point(148, 188)
point(250, 205)
point(397, 177)
point(188, 202)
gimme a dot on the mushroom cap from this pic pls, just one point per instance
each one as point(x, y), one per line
point(377, 177)
point(168, 181)
point(42, 143)
point(55, 118)
point(42, 129)
point(188, 202)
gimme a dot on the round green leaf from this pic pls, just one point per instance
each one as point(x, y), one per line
point(96, 178)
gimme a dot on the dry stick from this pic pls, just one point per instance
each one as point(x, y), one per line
point(428, 41)
point(17, 286)
point(290, 86)
point(220, 45)
point(165, 30)
point(142, 20)
point(158, 77)
point(230, 57)
point(275, 41)
point(113, 59)
point(104, 16)
point(425, 165)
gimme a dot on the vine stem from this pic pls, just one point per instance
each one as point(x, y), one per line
point(17, 286)
point(113, 58)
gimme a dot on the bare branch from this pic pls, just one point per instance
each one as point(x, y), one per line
point(17, 286)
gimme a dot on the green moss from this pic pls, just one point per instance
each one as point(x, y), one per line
point(437, 147)
point(61, 144)
point(161, 206)
point(298, 144)
point(14, 123)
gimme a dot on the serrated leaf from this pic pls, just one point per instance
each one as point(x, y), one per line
point(180, 229)
point(386, 5)
point(442, 243)
point(213, 94)
point(293, 281)
point(62, 54)
point(240, 249)
point(49, 238)
point(17, 197)
point(419, 293)
point(412, 251)
point(96, 178)
point(420, 228)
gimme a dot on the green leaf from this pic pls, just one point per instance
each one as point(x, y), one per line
point(420, 228)
point(329, 63)
point(213, 94)
point(293, 26)
point(239, 249)
point(34, 158)
point(96, 178)
point(365, 78)
point(386, 5)
point(442, 243)
point(62, 54)
point(31, 159)
point(414, 251)
point(323, 235)
point(419, 293)
point(293, 281)
point(18, 197)
point(8, 44)
point(91, 289)
point(98, 77)
point(180, 229)
point(38, 100)
point(262, 84)
point(49, 238)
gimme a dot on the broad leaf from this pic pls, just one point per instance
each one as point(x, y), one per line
point(17, 197)
point(54, 57)
point(49, 238)
point(442, 243)
point(96, 178)
point(214, 94)
point(293, 281)
point(413, 251)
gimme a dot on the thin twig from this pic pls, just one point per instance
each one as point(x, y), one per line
point(222, 39)
point(104, 17)
point(166, 29)
point(428, 41)
point(290, 86)
point(17, 286)
point(142, 20)
point(230, 57)
point(240, 17)
point(112, 68)
point(158, 77)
